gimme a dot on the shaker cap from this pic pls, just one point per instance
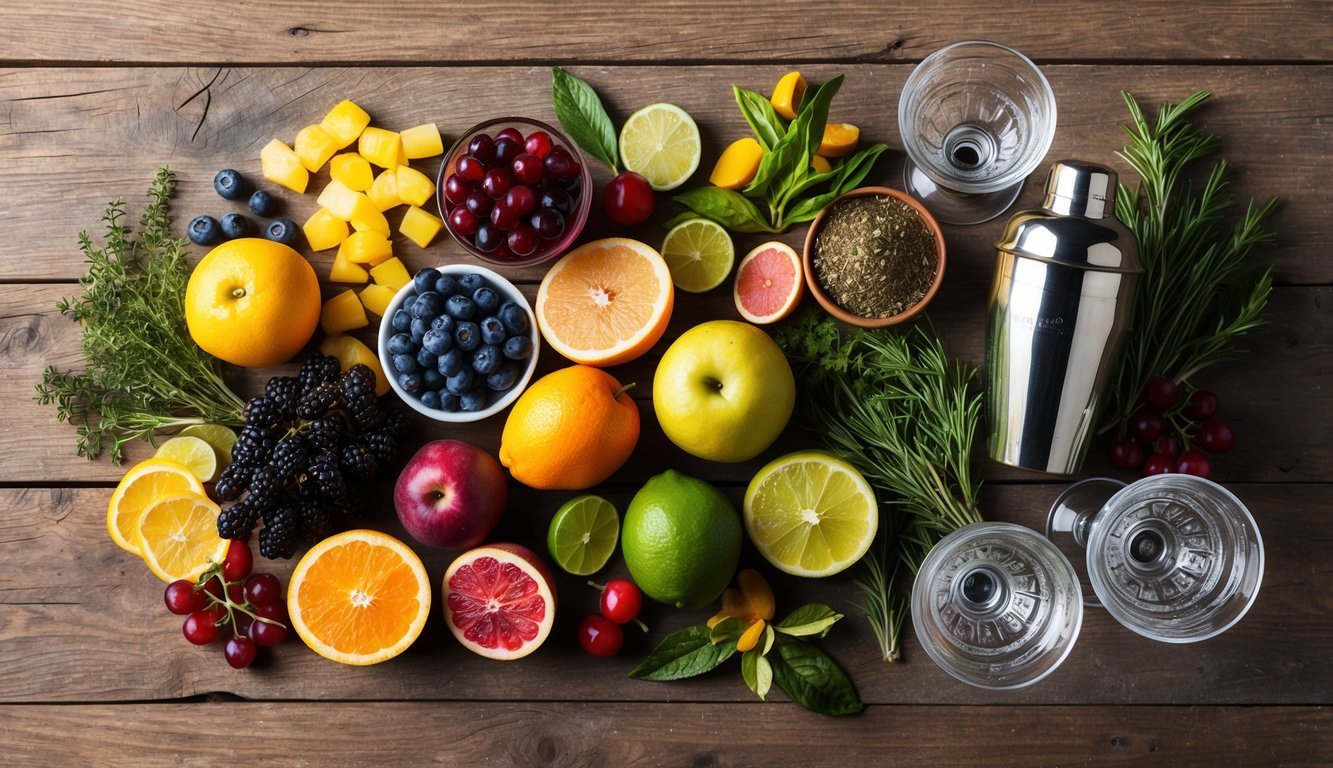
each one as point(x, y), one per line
point(1078, 188)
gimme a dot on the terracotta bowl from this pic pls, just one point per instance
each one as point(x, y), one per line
point(829, 305)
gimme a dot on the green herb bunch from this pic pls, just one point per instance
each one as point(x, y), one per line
point(902, 413)
point(144, 373)
point(1197, 297)
point(785, 185)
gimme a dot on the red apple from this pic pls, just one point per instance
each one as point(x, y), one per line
point(451, 494)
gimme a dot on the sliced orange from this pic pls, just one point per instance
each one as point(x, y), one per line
point(606, 302)
point(146, 483)
point(178, 536)
point(839, 140)
point(359, 597)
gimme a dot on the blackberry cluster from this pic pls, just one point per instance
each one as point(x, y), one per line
point(308, 443)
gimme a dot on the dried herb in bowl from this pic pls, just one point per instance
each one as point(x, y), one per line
point(874, 256)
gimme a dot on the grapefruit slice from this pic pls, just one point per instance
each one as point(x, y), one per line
point(606, 302)
point(499, 601)
point(768, 283)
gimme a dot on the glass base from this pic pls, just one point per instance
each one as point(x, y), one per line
point(1070, 520)
point(951, 207)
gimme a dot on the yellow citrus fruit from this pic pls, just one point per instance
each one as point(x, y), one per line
point(142, 486)
point(606, 302)
point(193, 452)
point(359, 597)
point(570, 430)
point(179, 536)
point(223, 439)
point(252, 302)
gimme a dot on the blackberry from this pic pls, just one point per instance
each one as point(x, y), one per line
point(395, 424)
point(318, 401)
point(288, 457)
point(263, 413)
point(323, 469)
point(284, 392)
point(265, 487)
point(357, 461)
point(317, 370)
point(382, 446)
point(252, 446)
point(278, 539)
point(313, 518)
point(238, 520)
point(358, 385)
point(351, 505)
point(232, 482)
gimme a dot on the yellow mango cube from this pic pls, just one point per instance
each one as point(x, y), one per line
point(350, 351)
point(414, 186)
point(422, 141)
point(343, 312)
point(391, 274)
point(323, 230)
point(368, 248)
point(282, 166)
point(738, 164)
point(384, 192)
point(368, 218)
point(344, 271)
point(314, 147)
point(820, 164)
point(345, 122)
point(419, 226)
point(376, 298)
point(341, 200)
point(381, 147)
point(353, 170)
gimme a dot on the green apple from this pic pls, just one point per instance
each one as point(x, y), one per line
point(723, 391)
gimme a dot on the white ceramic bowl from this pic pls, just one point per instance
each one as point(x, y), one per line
point(508, 293)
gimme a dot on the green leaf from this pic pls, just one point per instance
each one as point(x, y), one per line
point(788, 164)
point(685, 653)
point(768, 127)
point(727, 631)
point(813, 679)
point(854, 169)
point(813, 619)
point(583, 117)
point(727, 207)
point(757, 671)
point(769, 639)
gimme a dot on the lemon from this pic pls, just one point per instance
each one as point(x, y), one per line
point(699, 254)
point(194, 453)
point(681, 540)
point(661, 142)
point(178, 536)
point(223, 439)
point(810, 513)
point(141, 487)
point(583, 534)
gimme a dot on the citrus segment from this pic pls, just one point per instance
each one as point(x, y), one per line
point(360, 597)
point(498, 601)
point(178, 536)
point(221, 438)
point(810, 513)
point(142, 486)
point(606, 302)
point(583, 534)
point(194, 453)
point(661, 142)
point(699, 254)
point(768, 283)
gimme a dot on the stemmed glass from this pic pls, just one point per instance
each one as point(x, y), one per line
point(976, 118)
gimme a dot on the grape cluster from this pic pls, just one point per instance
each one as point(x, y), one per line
point(1171, 433)
point(228, 598)
point(308, 443)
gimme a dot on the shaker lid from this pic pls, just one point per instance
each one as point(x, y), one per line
point(1077, 188)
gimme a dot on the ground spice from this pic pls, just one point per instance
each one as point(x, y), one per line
point(875, 256)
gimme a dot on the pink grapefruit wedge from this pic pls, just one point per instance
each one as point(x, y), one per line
point(499, 601)
point(768, 283)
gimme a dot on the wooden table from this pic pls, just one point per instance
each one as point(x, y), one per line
point(94, 96)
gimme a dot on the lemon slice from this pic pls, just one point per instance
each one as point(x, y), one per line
point(583, 534)
point(661, 142)
point(699, 254)
point(141, 487)
point(810, 513)
point(194, 453)
point(223, 439)
point(178, 536)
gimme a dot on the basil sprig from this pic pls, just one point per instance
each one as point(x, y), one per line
point(581, 114)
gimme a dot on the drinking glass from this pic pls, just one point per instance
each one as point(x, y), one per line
point(976, 118)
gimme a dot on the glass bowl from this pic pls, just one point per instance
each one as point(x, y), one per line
point(574, 222)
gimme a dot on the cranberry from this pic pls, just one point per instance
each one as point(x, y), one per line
point(557, 198)
point(200, 627)
point(521, 200)
point(240, 652)
point(1167, 444)
point(561, 165)
point(1159, 464)
point(462, 221)
point(470, 169)
point(549, 223)
point(1193, 462)
point(523, 240)
point(478, 203)
point(538, 143)
point(1202, 405)
point(1161, 392)
point(488, 237)
point(1147, 424)
point(238, 561)
point(511, 133)
point(502, 252)
point(600, 636)
point(503, 217)
point(482, 147)
point(455, 189)
point(506, 149)
point(1215, 436)
point(528, 169)
point(1126, 454)
point(263, 589)
point(628, 199)
point(183, 599)
point(496, 183)
point(621, 601)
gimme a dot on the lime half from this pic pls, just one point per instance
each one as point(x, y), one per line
point(699, 254)
point(810, 513)
point(661, 142)
point(197, 455)
point(583, 534)
point(223, 439)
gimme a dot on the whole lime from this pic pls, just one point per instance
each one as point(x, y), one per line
point(681, 540)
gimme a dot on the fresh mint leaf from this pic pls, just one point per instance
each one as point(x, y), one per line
point(757, 671)
point(813, 619)
point(583, 117)
point(727, 631)
point(727, 207)
point(813, 679)
point(768, 127)
point(685, 653)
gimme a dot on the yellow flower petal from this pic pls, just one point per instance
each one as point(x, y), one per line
point(750, 638)
point(757, 594)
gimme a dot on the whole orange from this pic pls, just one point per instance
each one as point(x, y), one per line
point(252, 302)
point(571, 430)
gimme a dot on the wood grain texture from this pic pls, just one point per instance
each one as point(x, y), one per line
point(454, 31)
point(73, 139)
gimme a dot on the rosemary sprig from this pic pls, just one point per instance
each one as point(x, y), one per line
point(144, 373)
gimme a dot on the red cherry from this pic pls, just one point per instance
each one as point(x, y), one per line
point(511, 133)
point(238, 562)
point(1167, 444)
point(267, 634)
point(1159, 464)
point(1215, 436)
point(561, 166)
point(628, 199)
point(521, 200)
point(1193, 462)
point(482, 147)
point(538, 143)
point(621, 601)
point(1202, 405)
point(1161, 392)
point(200, 627)
point(470, 169)
point(183, 599)
point(263, 589)
point(1126, 454)
point(600, 636)
point(456, 189)
point(523, 240)
point(462, 221)
point(1147, 424)
point(503, 217)
point(240, 652)
point(528, 169)
point(506, 149)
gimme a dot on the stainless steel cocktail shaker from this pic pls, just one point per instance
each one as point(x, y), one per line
point(1064, 279)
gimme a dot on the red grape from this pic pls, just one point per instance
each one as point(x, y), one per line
point(523, 240)
point(456, 189)
point(478, 203)
point(600, 636)
point(1215, 436)
point(1159, 464)
point(511, 133)
point(1167, 444)
point(1147, 424)
point(503, 217)
point(560, 165)
point(470, 169)
point(549, 223)
point(528, 169)
point(183, 599)
point(538, 143)
point(1161, 392)
point(238, 562)
point(506, 148)
point(628, 199)
point(621, 601)
point(1193, 462)
point(263, 589)
point(200, 627)
point(496, 183)
point(482, 147)
point(462, 221)
point(1202, 405)
point(240, 652)
point(1126, 454)
point(521, 200)
point(267, 634)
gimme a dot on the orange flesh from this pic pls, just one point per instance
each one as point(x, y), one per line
point(609, 298)
point(359, 598)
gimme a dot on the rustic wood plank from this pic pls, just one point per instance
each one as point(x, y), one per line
point(74, 138)
point(80, 620)
point(712, 735)
point(675, 30)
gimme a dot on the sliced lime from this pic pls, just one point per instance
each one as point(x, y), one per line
point(194, 453)
point(699, 254)
point(223, 439)
point(661, 142)
point(583, 534)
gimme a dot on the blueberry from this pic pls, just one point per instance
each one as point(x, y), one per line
point(471, 282)
point(430, 398)
point(518, 347)
point(437, 342)
point(405, 363)
point(204, 230)
point(449, 402)
point(425, 279)
point(472, 400)
point(460, 308)
point(432, 379)
point(402, 320)
point(418, 329)
point(427, 359)
point(429, 305)
point(493, 331)
point(514, 317)
point(467, 336)
point(230, 184)
point(282, 231)
point(487, 299)
point(503, 378)
point(263, 204)
point(409, 302)
point(443, 323)
point(486, 360)
point(450, 362)
point(410, 382)
point(446, 286)
point(460, 382)
point(235, 225)
point(400, 344)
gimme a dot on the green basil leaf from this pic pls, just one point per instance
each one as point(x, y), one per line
point(813, 679)
point(685, 653)
point(812, 619)
point(757, 671)
point(810, 182)
point(813, 114)
point(808, 208)
point(727, 631)
point(759, 113)
point(788, 162)
point(583, 117)
point(855, 169)
point(729, 208)
point(769, 639)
